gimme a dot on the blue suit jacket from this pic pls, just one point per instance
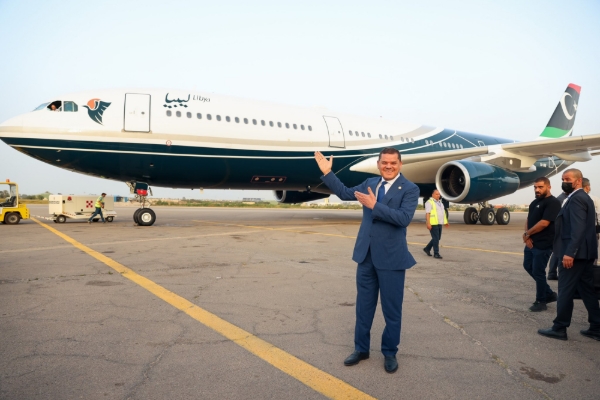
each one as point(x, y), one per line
point(383, 228)
point(575, 228)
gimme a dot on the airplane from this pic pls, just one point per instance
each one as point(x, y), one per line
point(184, 139)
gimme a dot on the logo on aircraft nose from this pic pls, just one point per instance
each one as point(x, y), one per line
point(96, 108)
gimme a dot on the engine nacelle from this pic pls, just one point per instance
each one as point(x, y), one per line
point(294, 197)
point(470, 182)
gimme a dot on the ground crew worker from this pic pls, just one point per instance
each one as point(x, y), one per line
point(99, 206)
point(434, 210)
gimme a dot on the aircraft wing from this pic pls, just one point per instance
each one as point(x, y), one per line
point(511, 156)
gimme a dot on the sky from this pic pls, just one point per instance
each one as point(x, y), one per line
point(495, 68)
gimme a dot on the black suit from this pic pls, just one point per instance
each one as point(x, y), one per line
point(576, 237)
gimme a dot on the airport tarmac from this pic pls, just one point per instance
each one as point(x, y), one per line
point(259, 304)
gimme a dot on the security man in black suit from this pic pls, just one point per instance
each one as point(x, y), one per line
point(575, 244)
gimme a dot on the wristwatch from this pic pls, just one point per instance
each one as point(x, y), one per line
point(526, 234)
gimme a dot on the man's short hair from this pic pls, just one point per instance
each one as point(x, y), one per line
point(390, 150)
point(576, 173)
point(585, 182)
point(103, 194)
point(543, 179)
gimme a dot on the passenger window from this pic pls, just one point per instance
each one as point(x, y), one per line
point(391, 138)
point(287, 125)
point(218, 117)
point(199, 116)
point(262, 122)
point(302, 127)
point(237, 120)
point(227, 119)
point(369, 135)
point(189, 115)
point(70, 106)
point(362, 134)
point(271, 123)
point(295, 127)
point(254, 122)
point(208, 117)
point(178, 113)
point(169, 113)
point(380, 137)
point(309, 128)
point(245, 120)
point(279, 124)
point(386, 136)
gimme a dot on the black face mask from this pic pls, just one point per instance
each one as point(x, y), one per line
point(567, 187)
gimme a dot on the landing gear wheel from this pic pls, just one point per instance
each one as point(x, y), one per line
point(136, 215)
point(503, 216)
point(61, 219)
point(471, 216)
point(109, 219)
point(146, 217)
point(487, 216)
point(12, 218)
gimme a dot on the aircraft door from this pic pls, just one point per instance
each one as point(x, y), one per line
point(336, 132)
point(137, 112)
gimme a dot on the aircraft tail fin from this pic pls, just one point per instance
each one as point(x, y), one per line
point(561, 122)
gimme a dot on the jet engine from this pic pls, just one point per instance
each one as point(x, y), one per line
point(293, 197)
point(469, 182)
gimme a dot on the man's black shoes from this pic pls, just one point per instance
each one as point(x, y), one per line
point(551, 333)
point(355, 358)
point(590, 333)
point(427, 252)
point(552, 277)
point(552, 298)
point(538, 306)
point(390, 364)
point(437, 256)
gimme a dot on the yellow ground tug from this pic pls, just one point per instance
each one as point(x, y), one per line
point(11, 212)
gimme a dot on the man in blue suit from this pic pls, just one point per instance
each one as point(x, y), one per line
point(576, 246)
point(380, 250)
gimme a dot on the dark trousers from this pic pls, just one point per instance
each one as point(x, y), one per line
point(579, 277)
point(436, 236)
point(553, 266)
point(534, 262)
point(371, 281)
point(98, 211)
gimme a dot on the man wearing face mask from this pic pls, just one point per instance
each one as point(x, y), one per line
point(576, 245)
point(538, 237)
point(587, 188)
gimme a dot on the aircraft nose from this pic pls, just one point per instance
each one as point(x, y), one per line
point(15, 121)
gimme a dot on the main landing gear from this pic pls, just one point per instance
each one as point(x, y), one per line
point(143, 216)
point(487, 215)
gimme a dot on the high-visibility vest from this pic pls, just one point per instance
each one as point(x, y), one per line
point(433, 219)
point(99, 202)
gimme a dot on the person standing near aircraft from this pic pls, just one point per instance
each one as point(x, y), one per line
point(587, 188)
point(381, 250)
point(538, 237)
point(434, 210)
point(576, 246)
point(554, 261)
point(99, 206)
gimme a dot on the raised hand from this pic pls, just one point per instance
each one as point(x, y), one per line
point(324, 164)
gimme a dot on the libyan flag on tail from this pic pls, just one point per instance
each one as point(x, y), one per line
point(561, 122)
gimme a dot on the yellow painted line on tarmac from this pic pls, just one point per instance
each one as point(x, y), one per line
point(354, 237)
point(320, 381)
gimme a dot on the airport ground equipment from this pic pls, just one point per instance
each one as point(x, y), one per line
point(11, 210)
point(63, 207)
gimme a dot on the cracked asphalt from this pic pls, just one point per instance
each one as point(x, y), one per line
point(71, 327)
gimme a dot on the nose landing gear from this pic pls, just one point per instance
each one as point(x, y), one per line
point(143, 216)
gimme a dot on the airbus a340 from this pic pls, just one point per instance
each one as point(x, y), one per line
point(194, 140)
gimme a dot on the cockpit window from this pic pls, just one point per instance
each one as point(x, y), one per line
point(55, 106)
point(41, 106)
point(70, 106)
